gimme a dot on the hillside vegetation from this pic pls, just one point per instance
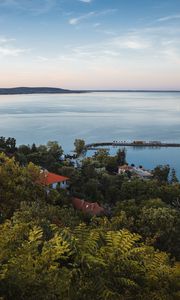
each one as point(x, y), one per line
point(49, 250)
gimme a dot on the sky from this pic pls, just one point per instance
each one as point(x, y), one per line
point(90, 44)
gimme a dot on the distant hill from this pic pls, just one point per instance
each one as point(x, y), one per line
point(35, 90)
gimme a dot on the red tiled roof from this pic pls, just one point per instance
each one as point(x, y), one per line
point(47, 178)
point(87, 207)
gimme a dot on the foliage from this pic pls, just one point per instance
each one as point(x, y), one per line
point(161, 173)
point(16, 184)
point(81, 264)
point(110, 162)
point(173, 178)
point(51, 251)
point(7, 145)
point(47, 156)
point(79, 146)
point(158, 223)
point(121, 157)
point(101, 155)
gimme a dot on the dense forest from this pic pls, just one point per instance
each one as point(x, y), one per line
point(49, 250)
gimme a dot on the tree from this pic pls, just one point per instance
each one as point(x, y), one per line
point(139, 189)
point(155, 221)
point(33, 148)
point(32, 267)
point(79, 146)
point(24, 149)
point(161, 228)
point(111, 164)
point(10, 145)
point(49, 250)
point(2, 142)
point(16, 184)
point(46, 156)
point(91, 190)
point(173, 178)
point(101, 155)
point(121, 156)
point(54, 149)
point(161, 173)
point(83, 263)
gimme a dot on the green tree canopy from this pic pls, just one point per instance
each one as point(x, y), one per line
point(79, 146)
point(16, 184)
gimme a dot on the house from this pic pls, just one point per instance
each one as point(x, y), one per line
point(142, 173)
point(93, 209)
point(124, 169)
point(134, 171)
point(53, 180)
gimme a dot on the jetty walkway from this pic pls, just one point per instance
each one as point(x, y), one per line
point(153, 144)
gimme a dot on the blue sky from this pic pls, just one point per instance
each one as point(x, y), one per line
point(105, 44)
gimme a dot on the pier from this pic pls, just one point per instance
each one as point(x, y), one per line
point(154, 144)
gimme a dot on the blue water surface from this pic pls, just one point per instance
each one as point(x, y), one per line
point(97, 117)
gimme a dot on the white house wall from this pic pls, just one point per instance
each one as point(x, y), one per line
point(63, 185)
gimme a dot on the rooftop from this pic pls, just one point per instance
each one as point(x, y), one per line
point(87, 207)
point(47, 178)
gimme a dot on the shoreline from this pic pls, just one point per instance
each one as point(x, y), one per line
point(58, 91)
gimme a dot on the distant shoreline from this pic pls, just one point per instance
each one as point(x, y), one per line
point(50, 90)
point(37, 90)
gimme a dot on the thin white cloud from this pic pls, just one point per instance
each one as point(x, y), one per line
point(7, 49)
point(169, 18)
point(86, 1)
point(133, 43)
point(4, 40)
point(76, 21)
point(152, 45)
point(146, 43)
point(108, 50)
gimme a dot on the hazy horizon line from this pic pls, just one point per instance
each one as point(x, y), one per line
point(96, 90)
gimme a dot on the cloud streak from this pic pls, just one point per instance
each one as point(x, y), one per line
point(7, 49)
point(132, 42)
point(86, 1)
point(75, 21)
point(169, 18)
point(78, 20)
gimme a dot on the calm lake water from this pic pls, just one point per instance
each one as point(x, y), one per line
point(97, 117)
